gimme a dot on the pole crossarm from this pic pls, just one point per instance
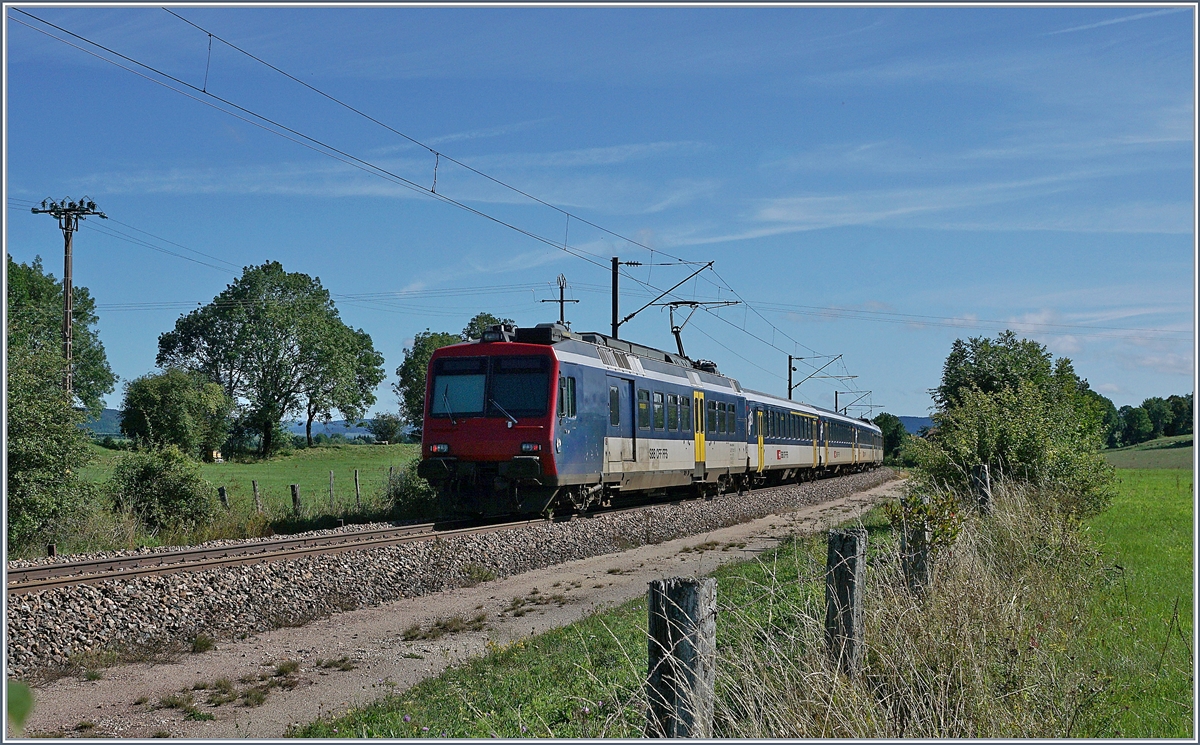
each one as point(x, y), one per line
point(814, 373)
point(664, 294)
point(68, 213)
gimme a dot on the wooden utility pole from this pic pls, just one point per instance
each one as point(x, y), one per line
point(69, 214)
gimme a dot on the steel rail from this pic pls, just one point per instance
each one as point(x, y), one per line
point(201, 562)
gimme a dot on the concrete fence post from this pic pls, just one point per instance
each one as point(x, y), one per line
point(981, 485)
point(845, 579)
point(357, 491)
point(682, 659)
point(296, 500)
point(257, 498)
point(223, 496)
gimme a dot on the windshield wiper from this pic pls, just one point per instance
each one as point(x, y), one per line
point(446, 401)
point(511, 419)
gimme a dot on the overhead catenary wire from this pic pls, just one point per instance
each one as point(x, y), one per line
point(333, 152)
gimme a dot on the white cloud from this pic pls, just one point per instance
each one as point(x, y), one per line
point(1111, 389)
point(1122, 19)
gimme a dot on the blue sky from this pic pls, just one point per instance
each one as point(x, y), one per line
point(875, 182)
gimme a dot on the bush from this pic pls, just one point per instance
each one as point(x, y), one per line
point(163, 489)
point(410, 495)
point(385, 428)
point(177, 408)
point(46, 448)
point(1023, 435)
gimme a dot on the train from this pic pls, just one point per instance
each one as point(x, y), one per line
point(544, 420)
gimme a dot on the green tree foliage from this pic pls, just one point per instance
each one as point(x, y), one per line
point(1181, 416)
point(46, 446)
point(1110, 422)
point(386, 428)
point(343, 377)
point(1035, 422)
point(482, 322)
point(894, 433)
point(412, 372)
point(177, 407)
point(991, 365)
point(163, 488)
point(265, 338)
point(35, 311)
point(1136, 425)
point(1160, 414)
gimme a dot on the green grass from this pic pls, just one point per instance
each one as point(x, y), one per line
point(307, 467)
point(1147, 533)
point(584, 679)
point(1164, 452)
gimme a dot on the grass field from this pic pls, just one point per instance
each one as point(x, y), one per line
point(1165, 452)
point(1141, 621)
point(308, 467)
point(1131, 650)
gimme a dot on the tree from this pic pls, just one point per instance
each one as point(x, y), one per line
point(410, 388)
point(46, 446)
point(1007, 404)
point(263, 338)
point(1136, 425)
point(482, 322)
point(1181, 415)
point(1160, 414)
point(35, 305)
point(344, 373)
point(386, 427)
point(893, 433)
point(179, 408)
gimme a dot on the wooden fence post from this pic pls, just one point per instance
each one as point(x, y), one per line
point(915, 545)
point(390, 469)
point(357, 491)
point(296, 500)
point(981, 485)
point(257, 498)
point(682, 660)
point(845, 577)
point(331, 491)
point(223, 496)
point(51, 549)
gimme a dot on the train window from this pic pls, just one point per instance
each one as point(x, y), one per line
point(672, 411)
point(519, 386)
point(712, 417)
point(566, 396)
point(721, 416)
point(660, 418)
point(458, 386)
point(685, 413)
point(614, 406)
point(643, 408)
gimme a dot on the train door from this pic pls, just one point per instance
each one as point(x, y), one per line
point(701, 451)
point(818, 434)
point(621, 429)
point(758, 430)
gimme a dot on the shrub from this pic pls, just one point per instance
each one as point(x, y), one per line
point(410, 495)
point(46, 448)
point(385, 427)
point(163, 489)
point(178, 408)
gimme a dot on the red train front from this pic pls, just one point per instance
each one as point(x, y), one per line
point(489, 424)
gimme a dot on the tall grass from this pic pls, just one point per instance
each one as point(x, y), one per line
point(999, 645)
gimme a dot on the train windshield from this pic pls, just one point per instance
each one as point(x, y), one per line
point(500, 386)
point(458, 386)
point(520, 386)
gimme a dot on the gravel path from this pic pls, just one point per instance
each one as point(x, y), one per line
point(54, 631)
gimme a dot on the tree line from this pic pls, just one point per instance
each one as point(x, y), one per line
point(271, 346)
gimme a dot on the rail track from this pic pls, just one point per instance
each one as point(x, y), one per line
point(25, 580)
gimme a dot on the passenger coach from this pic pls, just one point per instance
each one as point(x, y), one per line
point(527, 420)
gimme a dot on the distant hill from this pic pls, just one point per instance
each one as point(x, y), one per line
point(913, 424)
point(109, 423)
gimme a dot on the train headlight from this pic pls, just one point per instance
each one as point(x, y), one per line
point(441, 447)
point(530, 447)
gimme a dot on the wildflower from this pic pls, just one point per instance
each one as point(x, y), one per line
point(407, 718)
point(586, 710)
point(424, 729)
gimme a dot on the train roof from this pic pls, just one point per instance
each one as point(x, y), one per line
point(554, 334)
